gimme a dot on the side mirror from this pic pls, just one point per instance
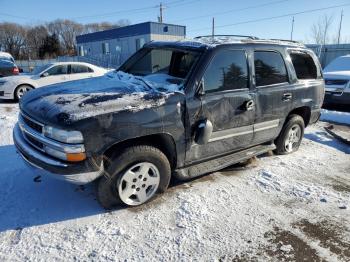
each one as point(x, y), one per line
point(203, 132)
point(200, 89)
point(45, 74)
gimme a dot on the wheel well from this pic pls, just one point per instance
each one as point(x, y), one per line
point(304, 112)
point(14, 92)
point(164, 142)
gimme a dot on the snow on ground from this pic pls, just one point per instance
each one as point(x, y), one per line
point(335, 116)
point(293, 207)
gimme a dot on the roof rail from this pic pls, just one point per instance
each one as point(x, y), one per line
point(239, 36)
point(286, 40)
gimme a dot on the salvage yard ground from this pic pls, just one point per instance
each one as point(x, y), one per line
point(293, 207)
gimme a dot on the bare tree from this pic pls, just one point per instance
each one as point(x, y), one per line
point(30, 41)
point(12, 38)
point(35, 39)
point(95, 27)
point(320, 30)
point(66, 30)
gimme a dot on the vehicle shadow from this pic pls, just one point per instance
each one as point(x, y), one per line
point(324, 138)
point(28, 199)
point(5, 101)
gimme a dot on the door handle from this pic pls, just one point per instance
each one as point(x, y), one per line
point(287, 97)
point(249, 105)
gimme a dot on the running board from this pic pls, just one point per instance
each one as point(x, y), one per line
point(221, 162)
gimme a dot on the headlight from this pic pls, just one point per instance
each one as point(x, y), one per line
point(69, 137)
point(2, 83)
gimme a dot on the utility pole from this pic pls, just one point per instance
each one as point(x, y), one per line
point(161, 13)
point(213, 27)
point(340, 24)
point(291, 33)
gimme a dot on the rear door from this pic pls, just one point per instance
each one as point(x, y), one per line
point(224, 103)
point(80, 72)
point(273, 95)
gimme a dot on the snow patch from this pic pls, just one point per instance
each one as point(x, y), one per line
point(269, 182)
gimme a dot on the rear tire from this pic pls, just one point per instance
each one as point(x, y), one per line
point(134, 177)
point(21, 90)
point(291, 135)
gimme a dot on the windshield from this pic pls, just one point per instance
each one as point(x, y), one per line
point(40, 69)
point(166, 62)
point(7, 58)
point(339, 64)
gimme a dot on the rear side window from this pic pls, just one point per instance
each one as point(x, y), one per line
point(304, 66)
point(78, 69)
point(270, 68)
point(58, 70)
point(227, 71)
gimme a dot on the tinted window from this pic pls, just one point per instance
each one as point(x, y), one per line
point(227, 71)
point(304, 66)
point(77, 69)
point(58, 70)
point(269, 68)
point(172, 62)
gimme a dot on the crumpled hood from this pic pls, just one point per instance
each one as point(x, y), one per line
point(76, 100)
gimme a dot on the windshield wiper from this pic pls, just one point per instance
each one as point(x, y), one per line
point(149, 86)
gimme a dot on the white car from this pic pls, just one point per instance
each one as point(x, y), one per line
point(337, 80)
point(14, 87)
point(6, 56)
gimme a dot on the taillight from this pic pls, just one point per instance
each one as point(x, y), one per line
point(15, 71)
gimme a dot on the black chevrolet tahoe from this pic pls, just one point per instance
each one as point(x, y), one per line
point(173, 109)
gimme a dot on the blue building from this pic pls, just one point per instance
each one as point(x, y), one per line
point(112, 47)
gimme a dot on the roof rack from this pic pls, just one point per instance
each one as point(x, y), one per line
point(286, 40)
point(238, 36)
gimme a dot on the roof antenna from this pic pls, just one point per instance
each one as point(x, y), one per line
point(213, 28)
point(291, 33)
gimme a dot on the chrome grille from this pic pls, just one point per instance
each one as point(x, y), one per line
point(34, 142)
point(335, 82)
point(32, 123)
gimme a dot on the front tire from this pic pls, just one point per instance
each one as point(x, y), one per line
point(21, 90)
point(134, 177)
point(291, 135)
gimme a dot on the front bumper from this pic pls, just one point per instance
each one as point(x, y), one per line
point(7, 90)
point(332, 98)
point(76, 173)
point(4, 95)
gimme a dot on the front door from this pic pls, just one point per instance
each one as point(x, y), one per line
point(227, 103)
point(54, 75)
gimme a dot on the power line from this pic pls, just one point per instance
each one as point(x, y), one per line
point(231, 11)
point(146, 8)
point(15, 16)
point(273, 17)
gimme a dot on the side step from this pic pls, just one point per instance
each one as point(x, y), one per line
point(221, 162)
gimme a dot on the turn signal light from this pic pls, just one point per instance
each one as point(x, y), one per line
point(75, 157)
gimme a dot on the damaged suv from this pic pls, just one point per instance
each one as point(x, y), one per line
point(174, 109)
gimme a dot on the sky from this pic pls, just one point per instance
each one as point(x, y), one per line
point(231, 16)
